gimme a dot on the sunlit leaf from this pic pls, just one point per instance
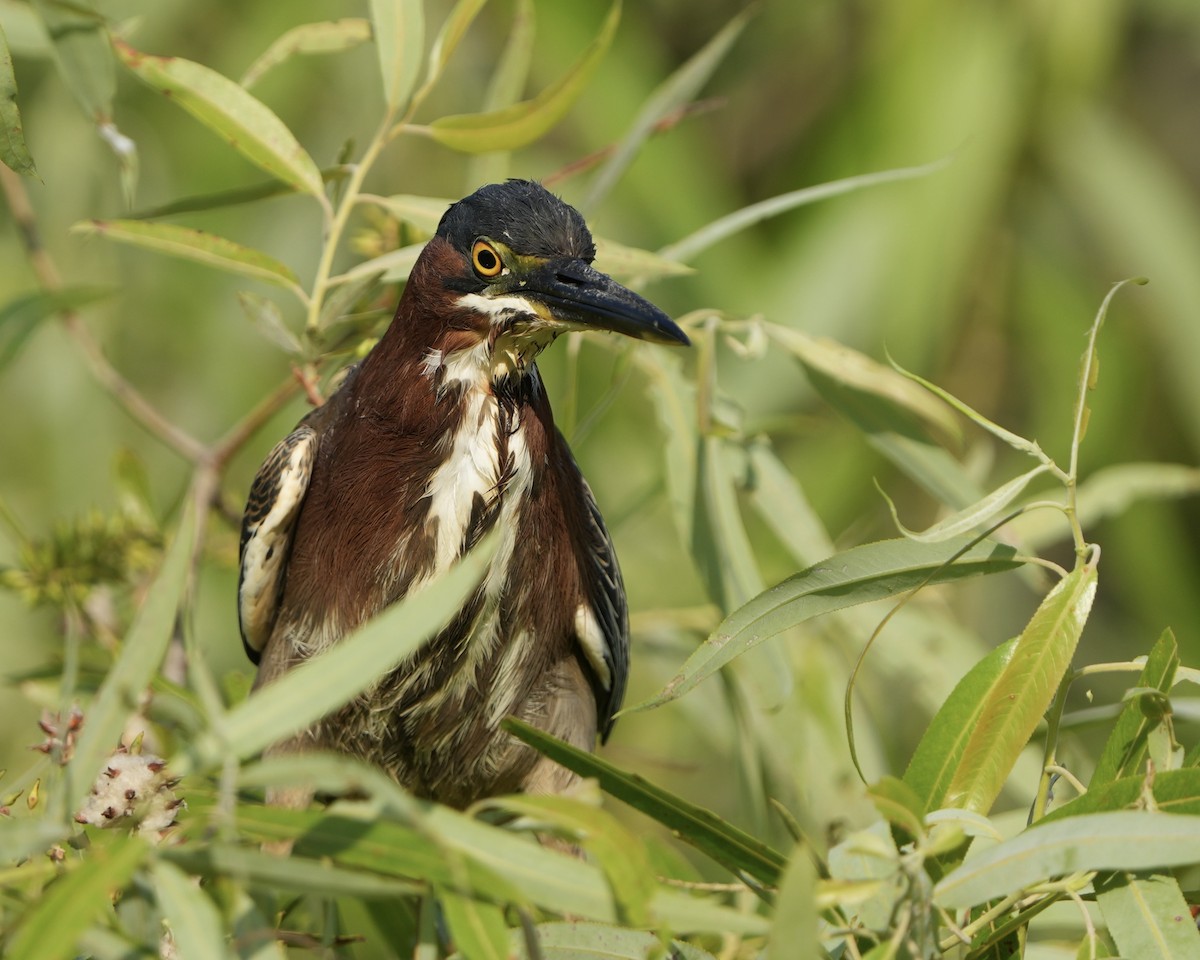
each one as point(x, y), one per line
point(223, 106)
point(1148, 917)
point(196, 245)
point(523, 123)
point(624, 262)
point(1171, 791)
point(391, 267)
point(596, 941)
point(329, 36)
point(1018, 698)
point(794, 927)
point(672, 93)
point(1128, 840)
point(424, 213)
point(476, 928)
point(325, 682)
point(399, 41)
point(14, 153)
point(51, 929)
point(140, 657)
point(873, 571)
point(701, 828)
point(196, 927)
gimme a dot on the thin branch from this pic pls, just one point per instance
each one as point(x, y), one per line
point(227, 447)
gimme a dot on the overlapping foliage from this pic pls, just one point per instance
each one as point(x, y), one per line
point(927, 864)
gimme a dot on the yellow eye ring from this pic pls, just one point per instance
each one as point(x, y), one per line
point(485, 259)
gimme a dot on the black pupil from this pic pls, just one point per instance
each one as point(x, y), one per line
point(486, 259)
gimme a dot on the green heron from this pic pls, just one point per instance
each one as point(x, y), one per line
point(442, 433)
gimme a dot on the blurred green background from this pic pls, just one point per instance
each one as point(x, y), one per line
point(1075, 136)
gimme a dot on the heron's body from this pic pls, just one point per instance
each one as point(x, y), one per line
point(441, 434)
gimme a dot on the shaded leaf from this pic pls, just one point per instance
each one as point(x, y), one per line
point(424, 213)
point(505, 87)
point(596, 941)
point(329, 36)
point(476, 928)
point(936, 760)
point(391, 267)
point(316, 687)
point(83, 54)
point(196, 928)
point(794, 927)
point(898, 804)
point(51, 929)
point(20, 317)
point(399, 41)
point(782, 505)
point(458, 22)
point(1128, 840)
point(232, 198)
point(25, 837)
point(223, 106)
point(624, 263)
point(268, 320)
point(14, 153)
point(873, 571)
point(196, 245)
point(725, 843)
point(523, 123)
point(1018, 698)
point(1148, 917)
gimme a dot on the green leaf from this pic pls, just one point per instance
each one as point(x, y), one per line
point(391, 267)
point(329, 36)
point(399, 41)
point(476, 928)
point(1171, 791)
point(1126, 743)
point(228, 110)
point(322, 684)
point(196, 245)
point(232, 198)
point(679, 88)
point(1020, 696)
point(334, 774)
point(898, 804)
point(725, 843)
point(1148, 917)
point(873, 571)
point(934, 764)
point(51, 929)
point(458, 22)
point(971, 517)
point(693, 244)
point(196, 927)
point(268, 320)
point(424, 213)
point(674, 399)
point(794, 927)
point(781, 504)
point(1127, 840)
point(23, 838)
point(506, 85)
point(138, 661)
point(523, 123)
point(597, 941)
point(20, 317)
point(83, 54)
point(625, 263)
point(14, 153)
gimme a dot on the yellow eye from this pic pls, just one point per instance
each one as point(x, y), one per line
point(486, 259)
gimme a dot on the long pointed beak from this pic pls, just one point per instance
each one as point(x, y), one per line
point(580, 295)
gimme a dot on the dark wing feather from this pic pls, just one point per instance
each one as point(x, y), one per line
point(606, 597)
point(267, 528)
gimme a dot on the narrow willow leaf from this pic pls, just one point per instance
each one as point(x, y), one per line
point(505, 88)
point(523, 123)
point(972, 517)
point(695, 243)
point(206, 248)
point(391, 267)
point(295, 874)
point(859, 372)
point(596, 941)
point(674, 399)
point(935, 763)
point(783, 506)
point(336, 775)
point(458, 22)
point(679, 88)
point(14, 153)
point(79, 37)
point(326, 682)
point(898, 804)
point(51, 928)
point(1106, 493)
point(1019, 697)
point(329, 36)
point(1171, 791)
point(873, 571)
point(622, 262)
point(346, 297)
point(1128, 840)
point(794, 927)
point(424, 213)
point(136, 664)
point(195, 924)
point(232, 198)
point(725, 843)
point(476, 928)
point(268, 320)
point(19, 318)
point(228, 110)
point(399, 41)
point(1148, 917)
point(23, 838)
point(1126, 743)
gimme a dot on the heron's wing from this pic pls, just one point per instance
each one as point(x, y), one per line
point(268, 526)
point(602, 622)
